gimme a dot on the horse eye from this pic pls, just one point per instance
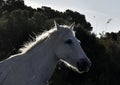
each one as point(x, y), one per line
point(69, 41)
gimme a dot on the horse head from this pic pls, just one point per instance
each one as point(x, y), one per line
point(68, 48)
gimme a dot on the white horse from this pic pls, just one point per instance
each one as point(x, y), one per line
point(35, 65)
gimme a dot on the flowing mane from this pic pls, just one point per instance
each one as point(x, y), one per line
point(39, 39)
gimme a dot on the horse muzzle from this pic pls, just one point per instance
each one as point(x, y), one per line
point(84, 65)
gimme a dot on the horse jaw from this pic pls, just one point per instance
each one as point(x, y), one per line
point(74, 68)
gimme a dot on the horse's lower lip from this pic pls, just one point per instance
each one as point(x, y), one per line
point(83, 70)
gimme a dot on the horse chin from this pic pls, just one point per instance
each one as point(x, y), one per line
point(74, 68)
point(83, 71)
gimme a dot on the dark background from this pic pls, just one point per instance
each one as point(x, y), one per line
point(18, 22)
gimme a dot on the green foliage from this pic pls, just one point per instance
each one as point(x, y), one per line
point(1, 3)
point(11, 5)
point(18, 22)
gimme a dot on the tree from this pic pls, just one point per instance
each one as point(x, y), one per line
point(1, 3)
point(79, 19)
point(13, 4)
point(38, 20)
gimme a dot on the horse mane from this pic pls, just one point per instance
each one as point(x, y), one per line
point(39, 39)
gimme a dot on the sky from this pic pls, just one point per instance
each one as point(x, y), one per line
point(104, 15)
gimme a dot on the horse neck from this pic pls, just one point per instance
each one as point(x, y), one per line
point(43, 59)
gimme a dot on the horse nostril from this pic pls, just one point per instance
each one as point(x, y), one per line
point(83, 65)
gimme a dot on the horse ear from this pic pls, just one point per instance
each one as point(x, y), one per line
point(72, 25)
point(57, 26)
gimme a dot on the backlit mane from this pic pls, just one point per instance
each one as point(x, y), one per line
point(39, 38)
